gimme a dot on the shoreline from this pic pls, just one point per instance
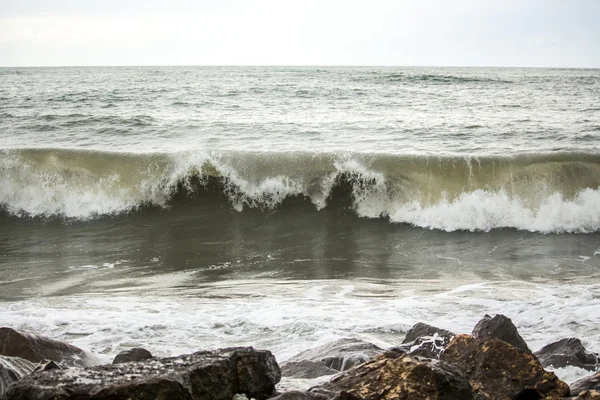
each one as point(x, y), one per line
point(339, 360)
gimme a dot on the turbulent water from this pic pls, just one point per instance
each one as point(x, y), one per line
point(186, 208)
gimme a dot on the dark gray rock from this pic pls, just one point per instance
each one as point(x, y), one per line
point(36, 348)
point(206, 375)
point(135, 354)
point(420, 330)
point(12, 369)
point(499, 327)
point(340, 355)
point(567, 352)
point(498, 370)
point(45, 365)
point(422, 347)
point(585, 395)
point(404, 377)
point(424, 341)
point(591, 382)
point(298, 395)
point(306, 369)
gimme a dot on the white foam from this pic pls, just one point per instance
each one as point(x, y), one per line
point(54, 189)
point(484, 210)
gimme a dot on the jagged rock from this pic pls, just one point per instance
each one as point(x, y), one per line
point(498, 370)
point(12, 369)
point(135, 354)
point(499, 327)
point(404, 377)
point(422, 347)
point(306, 369)
point(36, 348)
point(567, 352)
point(424, 340)
point(206, 375)
point(591, 382)
point(585, 395)
point(421, 329)
point(45, 365)
point(298, 395)
point(340, 355)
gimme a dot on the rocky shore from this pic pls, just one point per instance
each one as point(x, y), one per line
point(492, 362)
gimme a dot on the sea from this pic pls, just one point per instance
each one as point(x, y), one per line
point(190, 208)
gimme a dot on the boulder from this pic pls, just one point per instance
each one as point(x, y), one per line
point(567, 352)
point(424, 340)
point(12, 369)
point(498, 370)
point(306, 369)
point(340, 355)
point(206, 375)
point(591, 382)
point(36, 348)
point(585, 395)
point(499, 327)
point(45, 365)
point(404, 377)
point(135, 354)
point(299, 395)
point(420, 330)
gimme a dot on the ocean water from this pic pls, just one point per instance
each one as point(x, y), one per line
point(187, 208)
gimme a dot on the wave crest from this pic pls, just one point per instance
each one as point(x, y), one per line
point(544, 193)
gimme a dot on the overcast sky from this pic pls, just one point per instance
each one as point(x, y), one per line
point(535, 33)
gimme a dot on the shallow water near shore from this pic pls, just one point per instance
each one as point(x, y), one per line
point(289, 287)
point(181, 209)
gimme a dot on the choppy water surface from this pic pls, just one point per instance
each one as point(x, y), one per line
point(187, 208)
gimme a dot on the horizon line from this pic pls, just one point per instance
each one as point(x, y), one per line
point(289, 66)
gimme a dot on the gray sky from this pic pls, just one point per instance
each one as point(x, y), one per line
point(535, 33)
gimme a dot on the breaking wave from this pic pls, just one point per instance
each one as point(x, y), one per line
point(535, 192)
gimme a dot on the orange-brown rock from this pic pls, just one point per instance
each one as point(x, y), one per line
point(402, 378)
point(500, 371)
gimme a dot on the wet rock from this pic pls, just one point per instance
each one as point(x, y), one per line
point(591, 382)
point(404, 377)
point(12, 369)
point(45, 365)
point(585, 395)
point(299, 395)
point(499, 327)
point(306, 369)
point(422, 340)
point(36, 348)
point(425, 340)
point(498, 370)
point(340, 355)
point(135, 354)
point(420, 330)
point(206, 375)
point(422, 347)
point(567, 352)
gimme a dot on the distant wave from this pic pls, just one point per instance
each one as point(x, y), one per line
point(535, 192)
point(434, 78)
